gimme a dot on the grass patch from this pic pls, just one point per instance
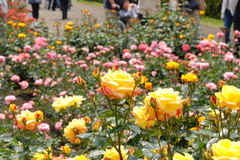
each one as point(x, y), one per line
point(207, 21)
point(90, 3)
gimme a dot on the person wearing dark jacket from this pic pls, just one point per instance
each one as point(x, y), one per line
point(35, 9)
point(64, 8)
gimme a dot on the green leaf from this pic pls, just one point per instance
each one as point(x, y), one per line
point(14, 156)
point(148, 145)
point(134, 127)
point(85, 135)
point(209, 144)
point(117, 129)
point(179, 151)
point(6, 137)
point(147, 152)
point(132, 157)
point(95, 153)
point(100, 141)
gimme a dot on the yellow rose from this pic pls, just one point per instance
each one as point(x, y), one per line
point(27, 120)
point(21, 25)
point(63, 103)
point(68, 28)
point(189, 77)
point(117, 84)
point(21, 35)
point(148, 85)
point(70, 23)
point(82, 157)
point(141, 118)
point(167, 103)
point(75, 127)
point(58, 42)
point(66, 149)
point(211, 36)
point(172, 65)
point(112, 154)
point(12, 108)
point(186, 156)
point(226, 150)
point(229, 97)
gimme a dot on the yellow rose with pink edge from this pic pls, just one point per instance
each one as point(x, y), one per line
point(117, 84)
point(167, 104)
point(27, 120)
point(226, 150)
point(112, 154)
point(75, 127)
point(141, 118)
point(229, 97)
point(186, 156)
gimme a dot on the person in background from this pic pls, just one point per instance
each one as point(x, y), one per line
point(113, 4)
point(53, 4)
point(227, 13)
point(64, 8)
point(35, 10)
point(195, 14)
point(145, 7)
point(3, 13)
point(237, 26)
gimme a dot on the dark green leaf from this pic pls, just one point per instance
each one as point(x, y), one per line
point(134, 127)
point(85, 135)
point(148, 145)
point(96, 153)
point(100, 141)
point(132, 157)
point(147, 152)
point(117, 129)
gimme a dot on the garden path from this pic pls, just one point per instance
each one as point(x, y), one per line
point(75, 15)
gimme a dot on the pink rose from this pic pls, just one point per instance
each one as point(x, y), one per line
point(23, 84)
point(58, 125)
point(229, 75)
point(63, 93)
point(26, 106)
point(154, 73)
point(142, 47)
point(15, 78)
point(47, 82)
point(220, 34)
point(229, 56)
point(9, 99)
point(211, 86)
point(185, 47)
point(39, 82)
point(44, 127)
point(2, 60)
point(2, 116)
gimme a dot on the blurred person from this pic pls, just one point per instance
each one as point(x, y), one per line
point(35, 10)
point(64, 8)
point(52, 4)
point(114, 4)
point(227, 13)
point(237, 27)
point(147, 7)
point(195, 13)
point(3, 13)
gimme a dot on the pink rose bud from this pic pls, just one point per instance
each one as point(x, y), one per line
point(44, 127)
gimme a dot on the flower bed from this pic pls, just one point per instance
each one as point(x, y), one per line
point(152, 92)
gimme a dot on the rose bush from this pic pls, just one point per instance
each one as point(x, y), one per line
point(151, 92)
